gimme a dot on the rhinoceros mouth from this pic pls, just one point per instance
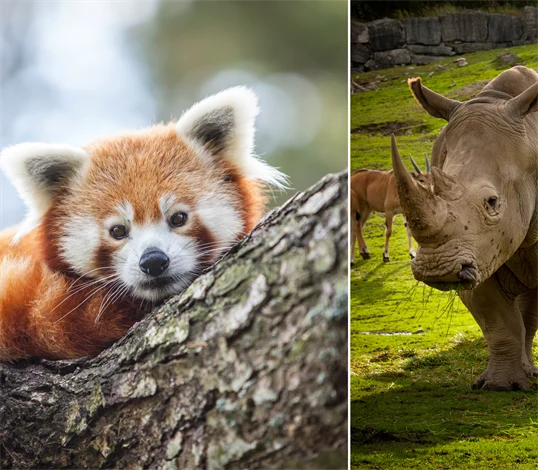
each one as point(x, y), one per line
point(446, 286)
point(464, 277)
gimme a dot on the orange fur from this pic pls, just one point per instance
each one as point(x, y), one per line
point(46, 309)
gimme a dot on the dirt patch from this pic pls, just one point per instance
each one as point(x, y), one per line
point(367, 435)
point(384, 128)
point(467, 92)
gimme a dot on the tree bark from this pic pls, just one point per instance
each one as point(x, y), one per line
point(245, 369)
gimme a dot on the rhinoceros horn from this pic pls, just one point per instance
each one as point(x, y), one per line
point(425, 211)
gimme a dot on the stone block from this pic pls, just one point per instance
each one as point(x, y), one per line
point(386, 34)
point(426, 31)
point(467, 47)
point(524, 42)
point(431, 50)
point(530, 23)
point(465, 26)
point(359, 53)
point(391, 58)
point(504, 28)
point(370, 65)
point(359, 33)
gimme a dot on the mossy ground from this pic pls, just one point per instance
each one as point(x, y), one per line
point(415, 351)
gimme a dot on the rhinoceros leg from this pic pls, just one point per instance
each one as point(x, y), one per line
point(528, 307)
point(502, 325)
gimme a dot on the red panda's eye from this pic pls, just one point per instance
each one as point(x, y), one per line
point(228, 178)
point(118, 232)
point(178, 219)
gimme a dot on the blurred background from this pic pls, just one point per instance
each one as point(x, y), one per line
point(75, 71)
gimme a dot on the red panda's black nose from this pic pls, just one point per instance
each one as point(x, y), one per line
point(154, 262)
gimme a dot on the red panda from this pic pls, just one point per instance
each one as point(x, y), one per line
point(123, 223)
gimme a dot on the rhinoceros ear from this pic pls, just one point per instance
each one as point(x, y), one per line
point(436, 104)
point(524, 103)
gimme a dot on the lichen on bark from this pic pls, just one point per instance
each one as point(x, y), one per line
point(245, 369)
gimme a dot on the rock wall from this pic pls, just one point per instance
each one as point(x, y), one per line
point(388, 42)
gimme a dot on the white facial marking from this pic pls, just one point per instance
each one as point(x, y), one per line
point(221, 217)
point(82, 235)
point(169, 206)
point(125, 210)
point(124, 216)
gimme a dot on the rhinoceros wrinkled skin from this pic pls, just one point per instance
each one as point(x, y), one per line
point(478, 229)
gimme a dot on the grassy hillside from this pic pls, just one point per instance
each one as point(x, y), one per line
point(415, 351)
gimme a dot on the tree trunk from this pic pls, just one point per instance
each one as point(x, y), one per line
point(246, 369)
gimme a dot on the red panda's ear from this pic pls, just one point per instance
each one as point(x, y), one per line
point(222, 126)
point(38, 171)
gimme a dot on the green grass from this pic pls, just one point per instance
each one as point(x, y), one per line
point(416, 351)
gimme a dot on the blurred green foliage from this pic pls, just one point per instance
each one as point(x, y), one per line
point(375, 9)
point(187, 43)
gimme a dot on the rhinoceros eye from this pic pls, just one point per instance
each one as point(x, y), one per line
point(492, 205)
point(492, 202)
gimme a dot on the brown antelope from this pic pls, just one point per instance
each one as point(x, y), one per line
point(376, 191)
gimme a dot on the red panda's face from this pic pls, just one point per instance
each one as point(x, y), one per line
point(151, 214)
point(148, 211)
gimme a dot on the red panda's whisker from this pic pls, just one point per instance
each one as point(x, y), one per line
point(133, 250)
point(103, 302)
point(97, 281)
point(236, 237)
point(85, 285)
point(220, 248)
point(207, 245)
point(218, 245)
point(88, 272)
point(186, 246)
point(85, 299)
point(177, 277)
point(80, 289)
point(124, 293)
point(109, 299)
point(100, 287)
point(182, 278)
point(90, 281)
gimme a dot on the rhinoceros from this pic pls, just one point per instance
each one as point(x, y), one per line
point(477, 229)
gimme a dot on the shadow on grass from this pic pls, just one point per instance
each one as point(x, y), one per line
point(382, 290)
point(406, 401)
